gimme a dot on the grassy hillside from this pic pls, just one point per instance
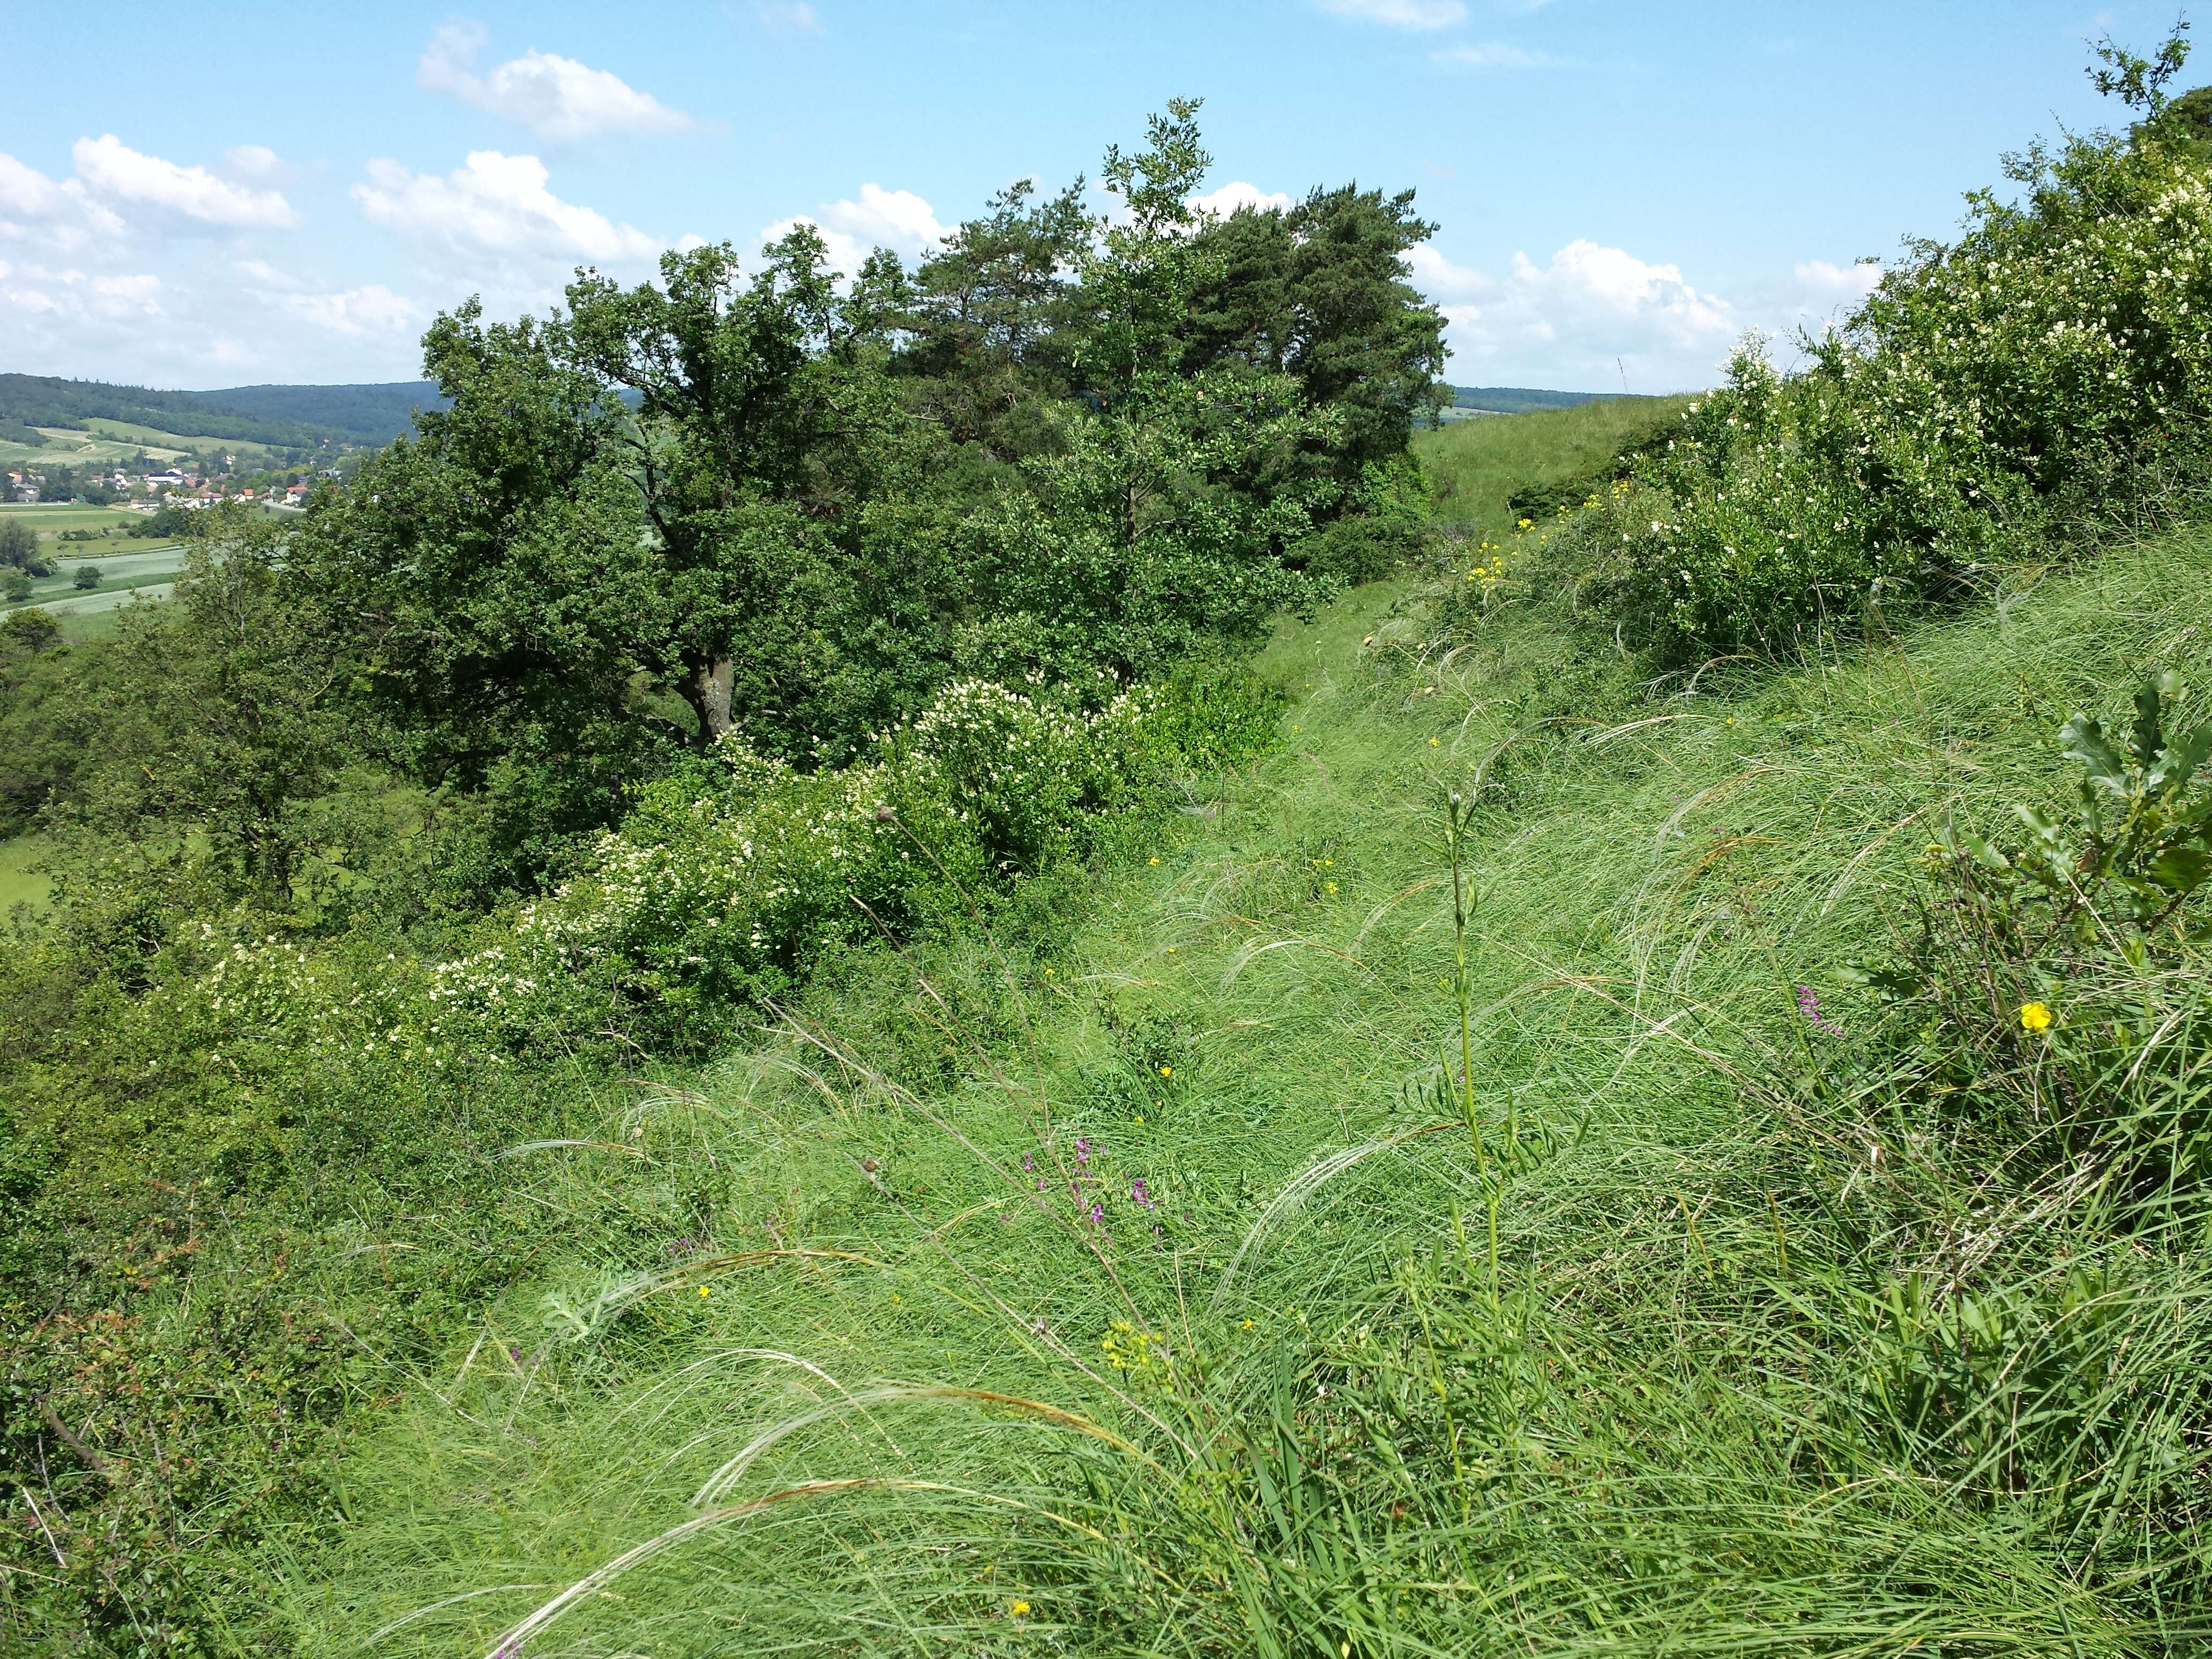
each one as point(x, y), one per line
point(39, 400)
point(101, 442)
point(1475, 465)
point(1139, 1286)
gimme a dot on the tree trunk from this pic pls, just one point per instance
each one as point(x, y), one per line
point(709, 693)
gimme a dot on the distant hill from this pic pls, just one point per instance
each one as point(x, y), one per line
point(43, 400)
point(369, 414)
point(1519, 400)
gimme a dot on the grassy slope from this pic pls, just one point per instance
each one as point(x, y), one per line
point(1475, 464)
point(100, 442)
point(1257, 989)
point(18, 883)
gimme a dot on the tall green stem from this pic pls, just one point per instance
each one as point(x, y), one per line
point(1455, 816)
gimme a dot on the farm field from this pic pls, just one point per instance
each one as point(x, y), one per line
point(65, 602)
point(100, 442)
point(117, 531)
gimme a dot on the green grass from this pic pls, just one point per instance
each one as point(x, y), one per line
point(1611, 1383)
point(49, 518)
point(100, 441)
point(250, 454)
point(1474, 464)
point(18, 884)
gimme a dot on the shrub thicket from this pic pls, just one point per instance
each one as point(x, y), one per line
point(1989, 398)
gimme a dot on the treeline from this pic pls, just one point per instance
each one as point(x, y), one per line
point(762, 506)
point(369, 414)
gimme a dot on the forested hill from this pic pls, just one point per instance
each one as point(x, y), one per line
point(44, 400)
point(374, 414)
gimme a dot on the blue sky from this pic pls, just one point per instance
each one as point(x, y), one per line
point(1622, 187)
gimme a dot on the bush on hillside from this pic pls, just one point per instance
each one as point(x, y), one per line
point(707, 899)
point(2052, 364)
point(2055, 991)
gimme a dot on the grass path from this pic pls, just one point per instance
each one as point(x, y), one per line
point(787, 1270)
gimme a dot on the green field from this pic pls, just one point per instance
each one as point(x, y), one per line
point(250, 456)
point(100, 442)
point(49, 518)
point(119, 533)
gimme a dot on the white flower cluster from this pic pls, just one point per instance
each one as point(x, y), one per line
point(1982, 387)
point(725, 898)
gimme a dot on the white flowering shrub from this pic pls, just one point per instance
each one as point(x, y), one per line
point(707, 901)
point(1026, 774)
point(1985, 394)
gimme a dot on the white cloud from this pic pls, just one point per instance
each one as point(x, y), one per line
point(1236, 194)
point(252, 161)
point(1401, 13)
point(1565, 322)
point(358, 313)
point(557, 98)
point(789, 14)
point(123, 295)
point(110, 168)
point(496, 203)
point(266, 274)
point(1855, 282)
point(1494, 54)
point(59, 213)
point(896, 219)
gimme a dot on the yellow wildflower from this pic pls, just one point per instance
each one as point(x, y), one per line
point(1020, 1607)
point(1167, 1071)
point(2034, 1016)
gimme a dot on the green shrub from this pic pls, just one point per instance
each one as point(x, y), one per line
point(726, 891)
point(2055, 994)
point(2054, 362)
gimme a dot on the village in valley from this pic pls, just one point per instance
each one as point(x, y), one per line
point(149, 491)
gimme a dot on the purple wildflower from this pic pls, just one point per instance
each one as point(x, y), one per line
point(1809, 1006)
point(1097, 1214)
point(1142, 1193)
point(1029, 1161)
